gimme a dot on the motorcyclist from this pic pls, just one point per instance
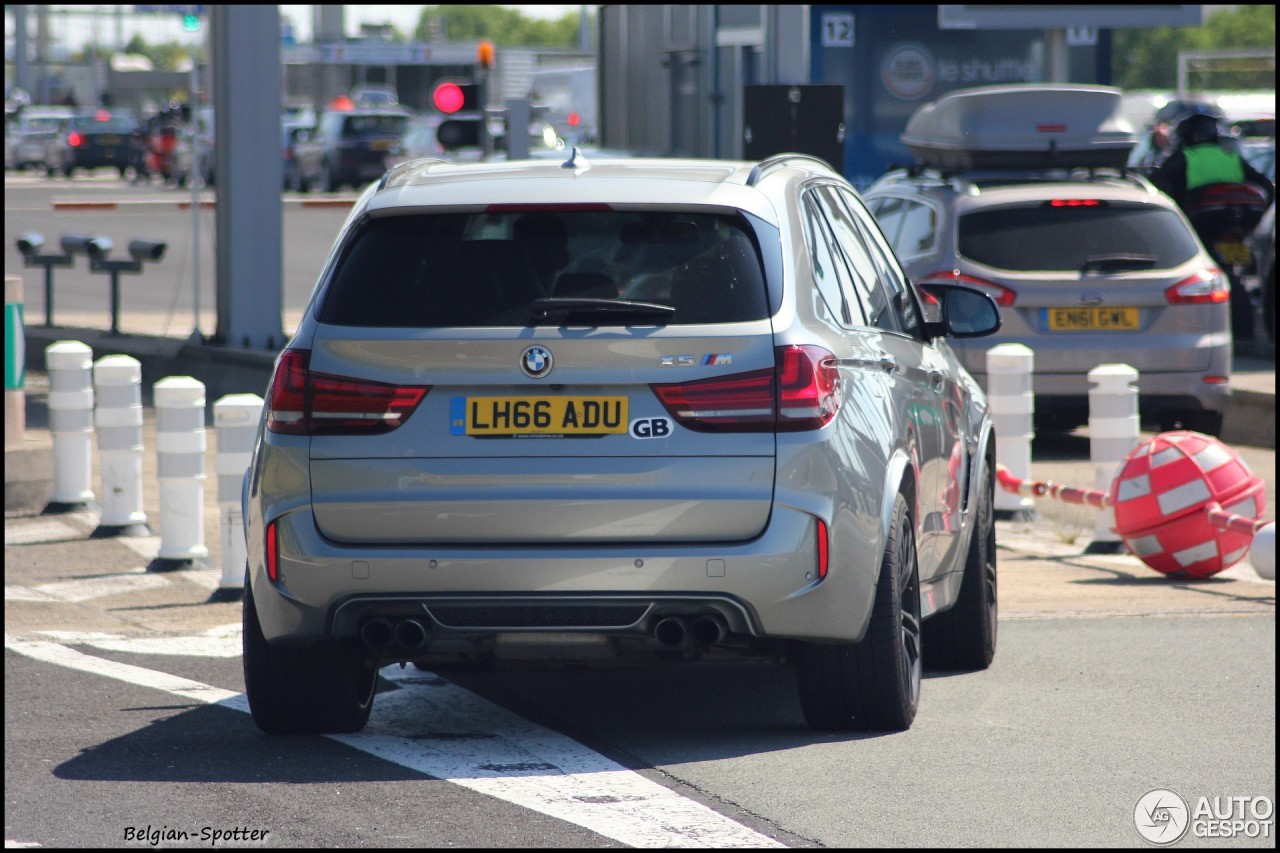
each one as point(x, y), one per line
point(1202, 156)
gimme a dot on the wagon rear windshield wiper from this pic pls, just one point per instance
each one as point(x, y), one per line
point(1117, 263)
point(607, 310)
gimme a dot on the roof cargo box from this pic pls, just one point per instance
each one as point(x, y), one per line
point(1031, 126)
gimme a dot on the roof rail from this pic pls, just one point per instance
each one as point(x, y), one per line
point(397, 172)
point(777, 160)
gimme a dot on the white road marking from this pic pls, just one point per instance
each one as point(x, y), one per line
point(56, 653)
point(103, 586)
point(222, 641)
point(22, 593)
point(449, 733)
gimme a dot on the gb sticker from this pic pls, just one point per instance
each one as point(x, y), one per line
point(650, 428)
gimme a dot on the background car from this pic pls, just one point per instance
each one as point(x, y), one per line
point(294, 135)
point(374, 96)
point(1088, 265)
point(90, 140)
point(28, 138)
point(352, 147)
point(647, 410)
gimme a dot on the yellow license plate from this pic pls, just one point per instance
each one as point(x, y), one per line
point(380, 145)
point(517, 416)
point(1233, 252)
point(1091, 319)
point(109, 140)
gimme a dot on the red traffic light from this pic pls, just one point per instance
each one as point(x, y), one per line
point(448, 98)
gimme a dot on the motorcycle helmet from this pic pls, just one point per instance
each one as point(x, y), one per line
point(1197, 127)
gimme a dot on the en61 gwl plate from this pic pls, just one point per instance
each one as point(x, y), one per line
point(514, 416)
point(1089, 319)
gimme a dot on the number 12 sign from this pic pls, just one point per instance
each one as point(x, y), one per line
point(837, 30)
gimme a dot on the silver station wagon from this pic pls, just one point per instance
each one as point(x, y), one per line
point(637, 410)
point(1021, 191)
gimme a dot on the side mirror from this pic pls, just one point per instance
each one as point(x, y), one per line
point(29, 244)
point(98, 248)
point(965, 312)
point(147, 250)
point(76, 244)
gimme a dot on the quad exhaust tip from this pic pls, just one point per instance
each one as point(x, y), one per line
point(410, 634)
point(377, 633)
point(380, 632)
point(705, 630)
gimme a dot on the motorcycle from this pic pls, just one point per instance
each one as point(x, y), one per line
point(1224, 215)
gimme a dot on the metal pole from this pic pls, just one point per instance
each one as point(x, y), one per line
point(196, 335)
point(115, 302)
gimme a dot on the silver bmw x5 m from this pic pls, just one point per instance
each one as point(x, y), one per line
point(639, 410)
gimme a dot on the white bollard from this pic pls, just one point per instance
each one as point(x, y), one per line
point(180, 449)
point(1012, 399)
point(235, 422)
point(1262, 553)
point(70, 368)
point(1113, 432)
point(117, 416)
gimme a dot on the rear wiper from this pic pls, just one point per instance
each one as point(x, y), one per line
point(1115, 263)
point(569, 309)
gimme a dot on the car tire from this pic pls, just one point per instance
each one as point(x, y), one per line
point(964, 637)
point(327, 688)
point(873, 684)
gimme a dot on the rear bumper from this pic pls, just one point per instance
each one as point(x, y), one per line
point(762, 588)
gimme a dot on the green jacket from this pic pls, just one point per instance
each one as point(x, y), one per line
point(1210, 164)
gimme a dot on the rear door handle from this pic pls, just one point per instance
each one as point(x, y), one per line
point(887, 363)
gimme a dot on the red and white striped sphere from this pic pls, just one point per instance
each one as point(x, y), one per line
point(1160, 499)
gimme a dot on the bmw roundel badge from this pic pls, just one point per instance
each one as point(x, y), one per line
point(536, 362)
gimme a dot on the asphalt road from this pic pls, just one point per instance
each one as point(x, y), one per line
point(124, 707)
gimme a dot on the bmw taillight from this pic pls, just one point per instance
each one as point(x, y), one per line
point(1205, 287)
point(801, 393)
point(1003, 296)
point(302, 402)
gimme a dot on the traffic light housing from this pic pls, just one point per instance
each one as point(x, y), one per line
point(456, 133)
point(451, 97)
point(461, 102)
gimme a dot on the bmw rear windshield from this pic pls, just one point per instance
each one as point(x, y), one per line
point(488, 268)
point(1068, 236)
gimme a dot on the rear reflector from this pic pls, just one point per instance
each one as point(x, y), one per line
point(1204, 288)
point(273, 552)
point(801, 393)
point(823, 549)
point(301, 402)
